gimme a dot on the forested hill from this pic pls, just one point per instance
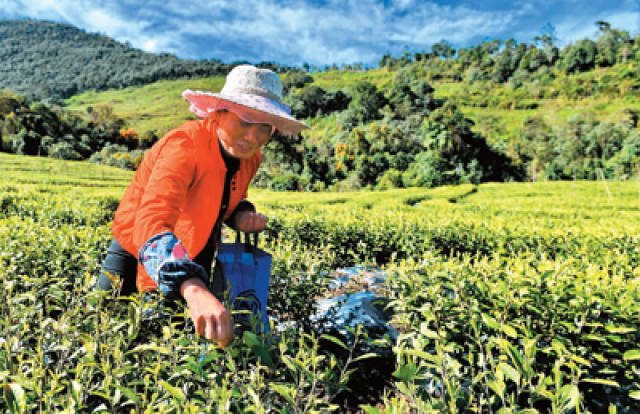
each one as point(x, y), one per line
point(45, 60)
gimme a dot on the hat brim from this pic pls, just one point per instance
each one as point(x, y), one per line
point(253, 108)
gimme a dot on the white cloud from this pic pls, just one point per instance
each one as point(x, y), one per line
point(107, 17)
point(150, 45)
point(294, 31)
point(570, 31)
point(339, 31)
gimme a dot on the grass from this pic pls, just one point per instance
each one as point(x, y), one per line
point(155, 107)
point(345, 79)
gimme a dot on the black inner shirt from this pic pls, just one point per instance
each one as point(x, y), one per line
point(205, 258)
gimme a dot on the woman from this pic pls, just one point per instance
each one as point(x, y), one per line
point(196, 177)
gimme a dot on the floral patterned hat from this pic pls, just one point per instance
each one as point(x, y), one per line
point(254, 94)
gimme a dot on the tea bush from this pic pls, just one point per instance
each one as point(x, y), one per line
point(507, 298)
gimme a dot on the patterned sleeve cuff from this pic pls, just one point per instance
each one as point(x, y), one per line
point(166, 261)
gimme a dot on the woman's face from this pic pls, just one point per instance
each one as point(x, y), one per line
point(239, 138)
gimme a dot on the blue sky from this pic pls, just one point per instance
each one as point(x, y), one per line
point(323, 32)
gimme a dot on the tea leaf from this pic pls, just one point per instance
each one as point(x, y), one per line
point(632, 355)
point(619, 329)
point(580, 360)
point(498, 386)
point(570, 395)
point(151, 347)
point(509, 331)
point(129, 393)
point(335, 341)
point(175, 392)
point(365, 356)
point(285, 391)
point(490, 322)
point(406, 373)
point(509, 372)
point(101, 408)
point(369, 409)
point(251, 339)
point(14, 395)
point(76, 389)
point(601, 381)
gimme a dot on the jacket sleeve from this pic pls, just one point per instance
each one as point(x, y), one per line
point(166, 261)
point(159, 250)
point(165, 191)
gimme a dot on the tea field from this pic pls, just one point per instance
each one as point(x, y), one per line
point(508, 298)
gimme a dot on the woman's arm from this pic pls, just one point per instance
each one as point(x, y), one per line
point(166, 189)
point(162, 254)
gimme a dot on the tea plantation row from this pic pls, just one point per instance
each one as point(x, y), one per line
point(507, 298)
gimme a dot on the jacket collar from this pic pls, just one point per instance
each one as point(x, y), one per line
point(217, 161)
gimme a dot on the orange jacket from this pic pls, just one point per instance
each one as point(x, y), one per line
point(178, 188)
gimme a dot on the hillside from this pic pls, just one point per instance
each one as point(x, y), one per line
point(497, 111)
point(157, 107)
point(518, 121)
point(46, 60)
point(160, 106)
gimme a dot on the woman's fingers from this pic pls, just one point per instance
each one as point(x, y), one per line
point(200, 326)
point(258, 222)
point(251, 222)
point(224, 329)
point(218, 328)
point(210, 329)
point(262, 221)
point(212, 321)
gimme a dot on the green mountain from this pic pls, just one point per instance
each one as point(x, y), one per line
point(45, 60)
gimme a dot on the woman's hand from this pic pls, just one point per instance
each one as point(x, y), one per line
point(209, 316)
point(250, 222)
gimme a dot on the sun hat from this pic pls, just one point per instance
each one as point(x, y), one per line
point(252, 93)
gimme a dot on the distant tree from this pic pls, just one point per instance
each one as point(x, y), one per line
point(443, 49)
point(366, 102)
point(295, 79)
point(387, 61)
point(64, 151)
point(547, 43)
point(409, 95)
point(507, 61)
point(580, 56)
point(490, 47)
point(533, 60)
point(603, 26)
point(312, 100)
point(609, 44)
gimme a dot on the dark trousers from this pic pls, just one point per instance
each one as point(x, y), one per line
point(122, 266)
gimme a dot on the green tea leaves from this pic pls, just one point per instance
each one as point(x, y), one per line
point(15, 398)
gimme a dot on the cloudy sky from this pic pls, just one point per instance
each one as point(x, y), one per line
point(324, 31)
